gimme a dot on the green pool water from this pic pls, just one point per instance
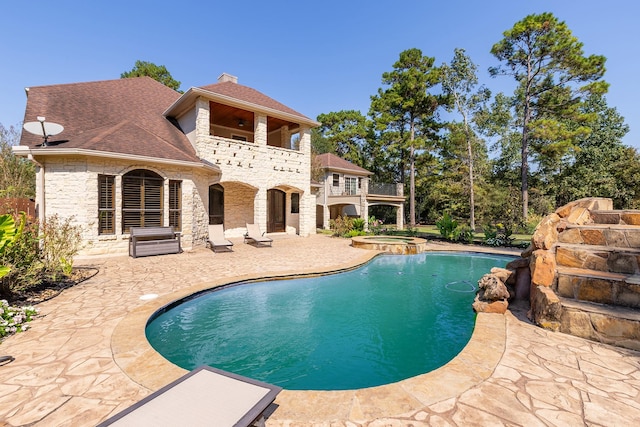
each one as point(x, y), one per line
point(394, 318)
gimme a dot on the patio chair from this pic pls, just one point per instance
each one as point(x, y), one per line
point(216, 238)
point(203, 397)
point(255, 235)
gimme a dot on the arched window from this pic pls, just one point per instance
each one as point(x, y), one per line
point(141, 199)
point(216, 204)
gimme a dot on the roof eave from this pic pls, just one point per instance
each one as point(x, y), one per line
point(176, 109)
point(24, 151)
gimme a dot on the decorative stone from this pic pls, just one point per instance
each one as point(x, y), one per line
point(630, 218)
point(527, 252)
point(543, 268)
point(615, 327)
point(546, 234)
point(570, 257)
point(622, 263)
point(595, 290)
point(615, 238)
point(571, 235)
point(492, 288)
point(501, 273)
point(579, 216)
point(499, 307)
point(593, 237)
point(633, 238)
point(577, 323)
point(596, 261)
point(546, 309)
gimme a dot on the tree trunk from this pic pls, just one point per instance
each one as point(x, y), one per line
point(472, 204)
point(412, 179)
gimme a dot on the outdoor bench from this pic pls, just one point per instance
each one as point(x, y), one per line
point(145, 241)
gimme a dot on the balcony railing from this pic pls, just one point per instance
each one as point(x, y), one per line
point(384, 189)
point(374, 189)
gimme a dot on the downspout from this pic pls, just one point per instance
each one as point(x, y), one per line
point(39, 194)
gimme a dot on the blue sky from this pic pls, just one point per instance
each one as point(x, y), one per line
point(315, 57)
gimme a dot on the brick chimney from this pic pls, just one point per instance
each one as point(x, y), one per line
point(224, 77)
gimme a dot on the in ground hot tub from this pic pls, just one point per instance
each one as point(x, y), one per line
point(399, 245)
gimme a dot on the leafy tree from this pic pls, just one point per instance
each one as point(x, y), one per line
point(17, 175)
point(407, 110)
point(602, 166)
point(346, 132)
point(156, 72)
point(459, 82)
point(553, 75)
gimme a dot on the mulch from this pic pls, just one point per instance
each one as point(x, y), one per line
point(47, 290)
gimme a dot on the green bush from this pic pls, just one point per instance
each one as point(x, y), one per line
point(341, 225)
point(498, 234)
point(375, 225)
point(358, 224)
point(447, 226)
point(40, 253)
point(463, 234)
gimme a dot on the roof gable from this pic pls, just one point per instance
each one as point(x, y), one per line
point(119, 116)
point(249, 95)
point(332, 162)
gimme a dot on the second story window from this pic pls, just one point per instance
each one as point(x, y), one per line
point(336, 180)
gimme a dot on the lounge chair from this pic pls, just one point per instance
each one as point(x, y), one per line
point(203, 397)
point(255, 235)
point(217, 239)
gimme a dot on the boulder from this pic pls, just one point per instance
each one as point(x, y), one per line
point(543, 268)
point(501, 273)
point(492, 288)
point(546, 233)
point(499, 307)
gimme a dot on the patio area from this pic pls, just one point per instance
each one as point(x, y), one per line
point(85, 358)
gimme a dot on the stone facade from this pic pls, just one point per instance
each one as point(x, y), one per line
point(72, 191)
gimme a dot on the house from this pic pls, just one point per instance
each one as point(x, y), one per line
point(345, 189)
point(134, 153)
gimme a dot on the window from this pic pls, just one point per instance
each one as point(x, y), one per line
point(216, 204)
point(141, 199)
point(336, 180)
point(295, 203)
point(175, 205)
point(106, 204)
point(350, 185)
point(239, 137)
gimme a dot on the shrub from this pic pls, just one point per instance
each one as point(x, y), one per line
point(354, 233)
point(375, 225)
point(341, 225)
point(498, 235)
point(358, 224)
point(14, 319)
point(60, 242)
point(447, 226)
point(463, 234)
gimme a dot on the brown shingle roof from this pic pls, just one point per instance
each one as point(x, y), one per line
point(247, 94)
point(331, 161)
point(118, 116)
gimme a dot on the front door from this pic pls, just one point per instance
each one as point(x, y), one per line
point(275, 211)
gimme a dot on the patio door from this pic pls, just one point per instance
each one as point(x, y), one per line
point(275, 211)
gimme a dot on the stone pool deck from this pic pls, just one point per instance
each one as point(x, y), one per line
point(85, 358)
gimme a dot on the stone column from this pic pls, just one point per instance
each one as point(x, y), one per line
point(260, 208)
point(400, 217)
point(260, 129)
point(203, 126)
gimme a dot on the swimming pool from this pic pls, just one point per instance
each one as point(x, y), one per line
point(394, 318)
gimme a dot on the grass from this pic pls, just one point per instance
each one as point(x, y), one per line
point(432, 232)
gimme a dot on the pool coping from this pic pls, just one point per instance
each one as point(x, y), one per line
point(475, 363)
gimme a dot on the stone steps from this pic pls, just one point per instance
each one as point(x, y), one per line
point(595, 286)
point(613, 325)
point(613, 235)
point(598, 257)
point(628, 217)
